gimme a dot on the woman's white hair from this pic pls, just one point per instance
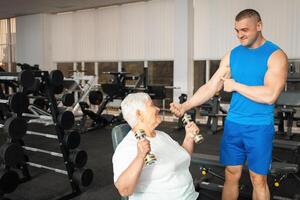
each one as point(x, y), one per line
point(132, 103)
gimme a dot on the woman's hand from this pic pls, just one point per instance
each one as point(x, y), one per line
point(191, 129)
point(143, 148)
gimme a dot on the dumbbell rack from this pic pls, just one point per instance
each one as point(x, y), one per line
point(44, 75)
point(31, 81)
point(21, 78)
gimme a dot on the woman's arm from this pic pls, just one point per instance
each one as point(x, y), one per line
point(127, 181)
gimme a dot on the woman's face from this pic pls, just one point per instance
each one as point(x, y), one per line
point(150, 115)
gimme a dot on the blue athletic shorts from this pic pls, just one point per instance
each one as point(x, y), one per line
point(251, 143)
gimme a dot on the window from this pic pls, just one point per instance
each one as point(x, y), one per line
point(89, 68)
point(134, 69)
point(66, 68)
point(199, 74)
point(106, 67)
point(7, 44)
point(161, 73)
point(293, 80)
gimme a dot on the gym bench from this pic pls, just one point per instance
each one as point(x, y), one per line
point(278, 171)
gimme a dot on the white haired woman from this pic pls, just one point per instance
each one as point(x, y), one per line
point(169, 177)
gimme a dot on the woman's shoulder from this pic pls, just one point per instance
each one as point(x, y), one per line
point(164, 135)
point(161, 133)
point(127, 143)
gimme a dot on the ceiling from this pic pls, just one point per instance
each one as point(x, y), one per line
point(14, 8)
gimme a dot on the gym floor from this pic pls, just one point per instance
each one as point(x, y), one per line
point(47, 185)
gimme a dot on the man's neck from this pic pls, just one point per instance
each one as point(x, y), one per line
point(258, 42)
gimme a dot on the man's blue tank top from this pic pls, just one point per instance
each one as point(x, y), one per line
point(248, 66)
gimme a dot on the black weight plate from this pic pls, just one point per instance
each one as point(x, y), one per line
point(78, 158)
point(72, 140)
point(19, 102)
point(11, 154)
point(26, 78)
point(66, 120)
point(95, 97)
point(58, 89)
point(87, 177)
point(56, 77)
point(9, 181)
point(68, 99)
point(36, 86)
point(182, 98)
point(15, 127)
point(83, 177)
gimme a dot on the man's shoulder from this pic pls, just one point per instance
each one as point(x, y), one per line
point(236, 48)
point(270, 43)
point(276, 51)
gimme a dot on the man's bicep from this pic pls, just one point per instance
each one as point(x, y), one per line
point(274, 80)
point(224, 69)
point(222, 72)
point(277, 72)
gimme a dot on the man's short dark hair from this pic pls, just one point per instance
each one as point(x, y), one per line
point(248, 13)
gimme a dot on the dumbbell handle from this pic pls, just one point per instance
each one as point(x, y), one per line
point(198, 138)
point(150, 158)
point(41, 134)
point(43, 151)
point(4, 100)
point(46, 167)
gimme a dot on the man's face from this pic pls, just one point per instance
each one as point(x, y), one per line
point(248, 30)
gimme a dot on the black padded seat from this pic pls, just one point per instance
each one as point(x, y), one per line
point(118, 133)
point(213, 160)
point(205, 159)
point(286, 144)
point(289, 99)
point(283, 168)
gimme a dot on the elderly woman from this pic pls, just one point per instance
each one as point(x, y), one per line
point(169, 177)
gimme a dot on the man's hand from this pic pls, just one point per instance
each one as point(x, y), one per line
point(191, 129)
point(177, 109)
point(143, 148)
point(229, 84)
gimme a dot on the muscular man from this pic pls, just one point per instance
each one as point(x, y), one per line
point(255, 72)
